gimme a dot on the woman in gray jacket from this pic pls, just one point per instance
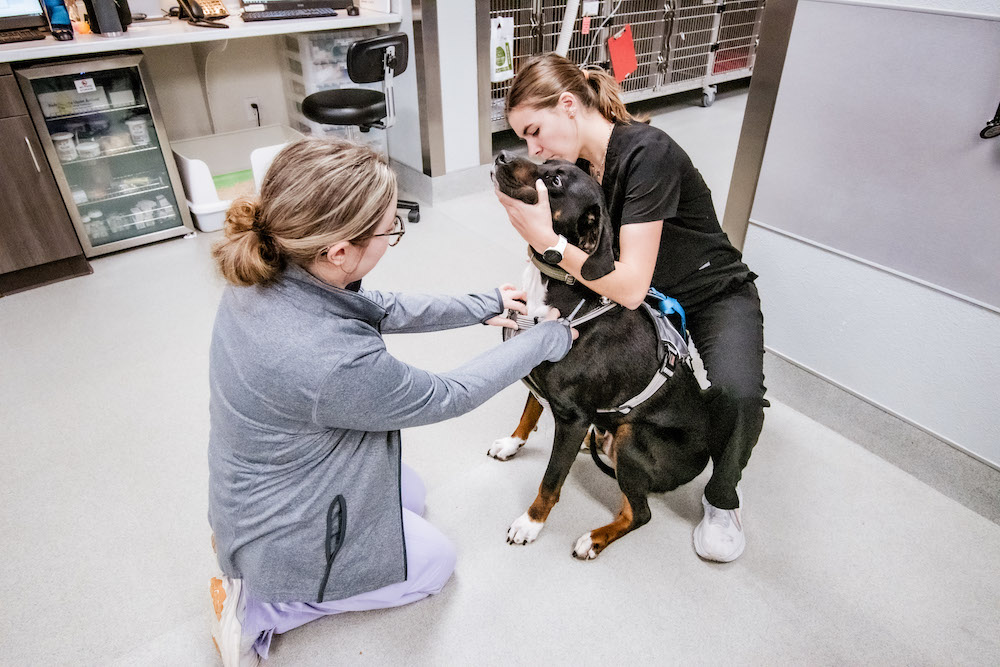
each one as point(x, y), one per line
point(313, 512)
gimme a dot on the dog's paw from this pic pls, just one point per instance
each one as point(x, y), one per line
point(504, 448)
point(524, 530)
point(585, 548)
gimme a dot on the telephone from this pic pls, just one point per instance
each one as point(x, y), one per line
point(203, 12)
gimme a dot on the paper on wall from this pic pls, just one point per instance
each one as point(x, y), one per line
point(502, 48)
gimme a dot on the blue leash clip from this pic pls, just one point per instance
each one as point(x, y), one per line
point(669, 305)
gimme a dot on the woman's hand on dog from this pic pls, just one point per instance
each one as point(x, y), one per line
point(513, 299)
point(532, 221)
point(554, 315)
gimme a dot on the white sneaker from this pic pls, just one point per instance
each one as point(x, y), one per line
point(719, 536)
point(228, 612)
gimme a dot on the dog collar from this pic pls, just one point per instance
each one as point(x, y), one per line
point(551, 271)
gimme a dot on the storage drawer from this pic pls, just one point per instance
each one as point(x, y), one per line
point(11, 102)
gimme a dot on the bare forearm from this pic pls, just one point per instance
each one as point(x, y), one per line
point(626, 285)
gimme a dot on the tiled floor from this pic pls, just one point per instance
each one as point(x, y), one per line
point(105, 549)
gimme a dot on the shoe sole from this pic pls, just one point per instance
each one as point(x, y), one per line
point(700, 549)
point(228, 611)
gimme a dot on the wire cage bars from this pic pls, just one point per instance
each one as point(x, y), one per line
point(680, 44)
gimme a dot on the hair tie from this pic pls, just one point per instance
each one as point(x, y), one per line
point(256, 224)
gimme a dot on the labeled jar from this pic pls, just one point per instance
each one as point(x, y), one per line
point(138, 130)
point(65, 146)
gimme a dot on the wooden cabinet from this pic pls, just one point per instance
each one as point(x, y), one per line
point(34, 225)
point(37, 241)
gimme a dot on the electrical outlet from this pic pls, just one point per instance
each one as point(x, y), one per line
point(252, 114)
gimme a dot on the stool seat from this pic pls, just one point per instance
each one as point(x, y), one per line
point(345, 106)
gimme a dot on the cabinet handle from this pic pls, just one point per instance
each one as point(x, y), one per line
point(33, 159)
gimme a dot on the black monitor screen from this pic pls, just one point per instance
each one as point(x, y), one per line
point(21, 14)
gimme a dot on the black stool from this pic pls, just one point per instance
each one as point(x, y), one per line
point(368, 60)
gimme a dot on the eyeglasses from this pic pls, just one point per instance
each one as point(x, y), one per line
point(398, 229)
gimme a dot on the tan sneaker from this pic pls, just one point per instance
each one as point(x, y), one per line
point(228, 612)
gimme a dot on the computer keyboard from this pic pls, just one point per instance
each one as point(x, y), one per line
point(8, 36)
point(302, 13)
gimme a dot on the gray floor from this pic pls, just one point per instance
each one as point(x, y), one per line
point(105, 550)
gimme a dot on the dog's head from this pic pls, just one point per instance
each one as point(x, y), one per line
point(577, 204)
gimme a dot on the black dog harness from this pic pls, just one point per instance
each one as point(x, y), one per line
point(673, 349)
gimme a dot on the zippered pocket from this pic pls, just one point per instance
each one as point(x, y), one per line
point(336, 527)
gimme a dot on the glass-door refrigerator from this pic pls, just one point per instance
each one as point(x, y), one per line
point(101, 129)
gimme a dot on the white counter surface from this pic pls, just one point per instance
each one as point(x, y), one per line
point(162, 33)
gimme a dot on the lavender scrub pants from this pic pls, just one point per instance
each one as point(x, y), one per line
point(430, 560)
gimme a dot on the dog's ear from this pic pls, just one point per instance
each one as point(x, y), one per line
point(595, 240)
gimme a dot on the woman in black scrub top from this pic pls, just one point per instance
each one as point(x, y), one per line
point(668, 237)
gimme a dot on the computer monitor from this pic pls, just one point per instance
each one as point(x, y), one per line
point(22, 14)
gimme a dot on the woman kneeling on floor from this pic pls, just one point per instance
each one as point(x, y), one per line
point(312, 510)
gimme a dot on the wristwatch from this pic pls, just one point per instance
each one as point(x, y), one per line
point(554, 254)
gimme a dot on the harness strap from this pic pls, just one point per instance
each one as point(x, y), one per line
point(673, 345)
point(675, 352)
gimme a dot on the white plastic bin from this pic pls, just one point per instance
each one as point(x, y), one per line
point(240, 157)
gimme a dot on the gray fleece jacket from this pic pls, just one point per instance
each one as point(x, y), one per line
point(306, 407)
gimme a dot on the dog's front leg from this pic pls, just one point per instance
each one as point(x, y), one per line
point(504, 448)
point(565, 447)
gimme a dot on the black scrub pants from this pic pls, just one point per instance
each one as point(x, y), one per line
point(729, 334)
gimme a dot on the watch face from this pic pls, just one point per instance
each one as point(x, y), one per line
point(552, 256)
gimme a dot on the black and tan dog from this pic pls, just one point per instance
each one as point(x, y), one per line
point(657, 446)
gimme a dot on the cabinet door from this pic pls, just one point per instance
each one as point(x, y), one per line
point(11, 102)
point(34, 225)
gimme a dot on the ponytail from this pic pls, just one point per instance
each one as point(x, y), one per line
point(246, 256)
point(607, 95)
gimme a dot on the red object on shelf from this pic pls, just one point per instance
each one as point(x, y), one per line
point(622, 50)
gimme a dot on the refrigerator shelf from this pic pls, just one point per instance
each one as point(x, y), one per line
point(111, 154)
point(123, 195)
point(96, 112)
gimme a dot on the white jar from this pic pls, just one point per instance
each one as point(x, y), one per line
point(88, 149)
point(138, 130)
point(65, 146)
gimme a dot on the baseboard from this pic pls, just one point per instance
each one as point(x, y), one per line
point(412, 183)
point(937, 463)
point(45, 274)
point(416, 185)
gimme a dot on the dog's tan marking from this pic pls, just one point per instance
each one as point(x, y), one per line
point(543, 504)
point(556, 215)
point(605, 535)
point(529, 418)
point(605, 442)
point(622, 435)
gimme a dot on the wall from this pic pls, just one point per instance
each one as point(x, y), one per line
point(931, 358)
point(404, 137)
point(175, 80)
point(459, 83)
